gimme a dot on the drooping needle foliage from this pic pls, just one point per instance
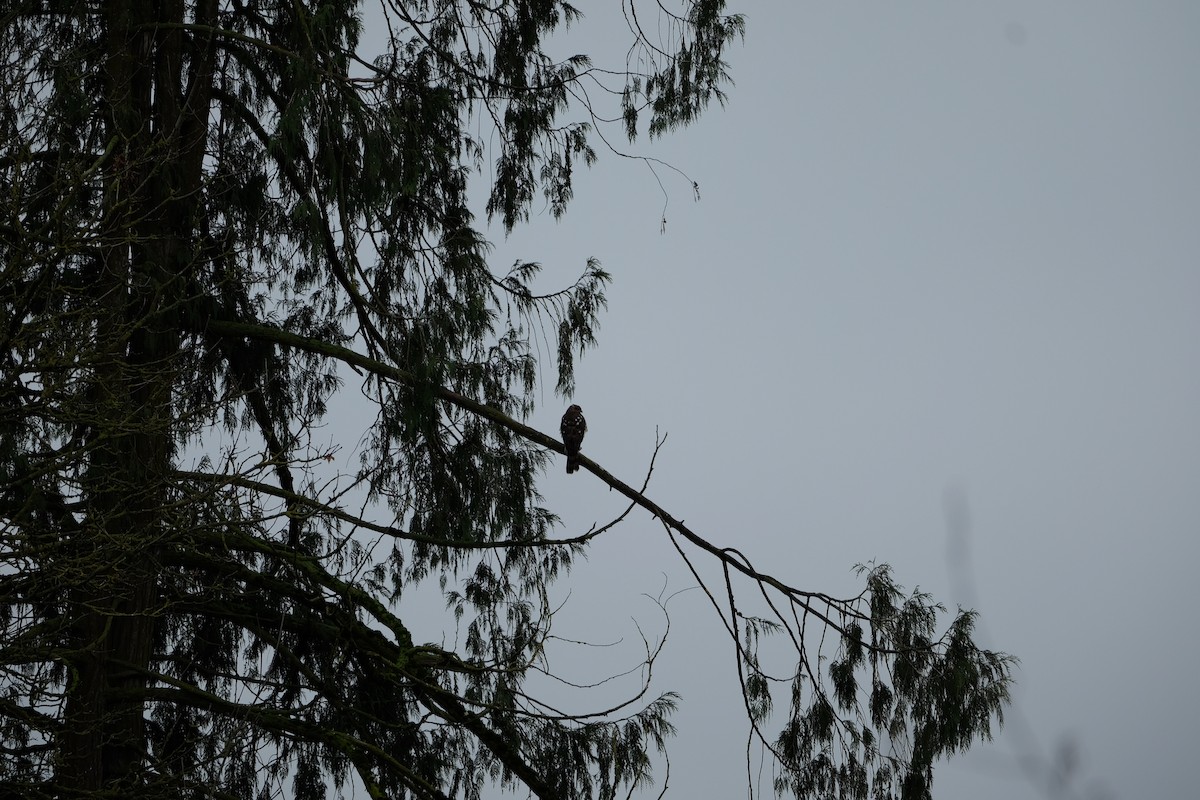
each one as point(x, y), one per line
point(217, 219)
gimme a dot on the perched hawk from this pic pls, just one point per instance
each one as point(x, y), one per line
point(573, 427)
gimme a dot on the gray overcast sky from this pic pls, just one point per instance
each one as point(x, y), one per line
point(943, 250)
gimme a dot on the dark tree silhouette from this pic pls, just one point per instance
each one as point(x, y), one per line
point(213, 215)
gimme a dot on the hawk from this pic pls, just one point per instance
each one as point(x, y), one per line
point(573, 427)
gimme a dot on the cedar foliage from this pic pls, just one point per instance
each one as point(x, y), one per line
point(214, 214)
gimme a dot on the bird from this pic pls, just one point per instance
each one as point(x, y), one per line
point(573, 427)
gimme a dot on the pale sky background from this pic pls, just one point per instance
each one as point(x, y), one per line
point(943, 250)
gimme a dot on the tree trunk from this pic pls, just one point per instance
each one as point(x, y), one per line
point(151, 182)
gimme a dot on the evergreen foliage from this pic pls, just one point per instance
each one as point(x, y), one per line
point(213, 215)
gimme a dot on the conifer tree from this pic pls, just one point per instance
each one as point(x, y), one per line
point(216, 215)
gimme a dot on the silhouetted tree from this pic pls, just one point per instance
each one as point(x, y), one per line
point(213, 214)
